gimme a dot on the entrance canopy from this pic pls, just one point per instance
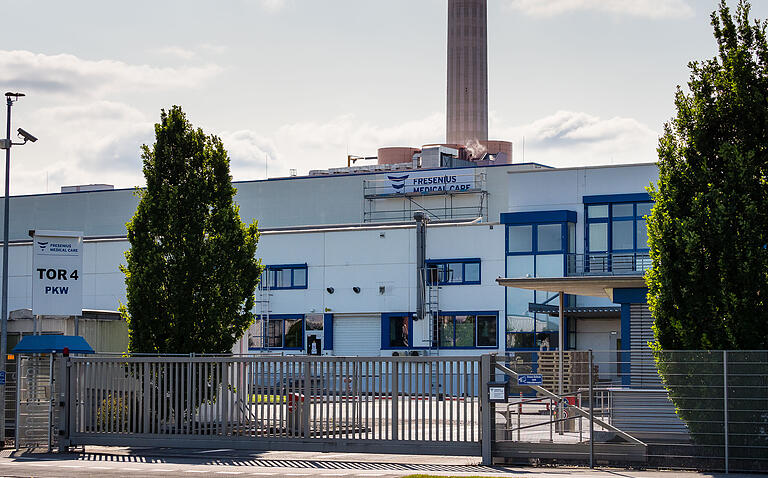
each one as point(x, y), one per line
point(46, 344)
point(598, 286)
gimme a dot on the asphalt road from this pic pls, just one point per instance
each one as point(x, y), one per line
point(158, 462)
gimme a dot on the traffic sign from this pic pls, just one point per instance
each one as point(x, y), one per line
point(57, 267)
point(530, 379)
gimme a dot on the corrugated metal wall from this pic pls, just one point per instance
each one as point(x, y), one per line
point(642, 367)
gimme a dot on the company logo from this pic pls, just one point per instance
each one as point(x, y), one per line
point(398, 182)
point(58, 248)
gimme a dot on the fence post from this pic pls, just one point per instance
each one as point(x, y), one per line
point(591, 415)
point(64, 400)
point(725, 405)
point(145, 398)
point(225, 397)
point(395, 394)
point(486, 423)
point(305, 404)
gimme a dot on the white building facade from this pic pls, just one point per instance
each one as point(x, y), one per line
point(341, 251)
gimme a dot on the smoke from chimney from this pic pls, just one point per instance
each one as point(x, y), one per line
point(475, 149)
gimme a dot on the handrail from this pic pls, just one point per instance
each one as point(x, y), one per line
point(580, 411)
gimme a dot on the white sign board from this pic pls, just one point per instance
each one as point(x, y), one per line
point(57, 268)
point(425, 182)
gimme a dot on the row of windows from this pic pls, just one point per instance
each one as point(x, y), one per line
point(441, 272)
point(454, 272)
point(541, 238)
point(455, 330)
point(292, 276)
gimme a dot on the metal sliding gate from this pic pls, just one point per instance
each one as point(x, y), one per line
point(423, 405)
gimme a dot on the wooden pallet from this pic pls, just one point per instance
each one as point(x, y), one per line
point(575, 370)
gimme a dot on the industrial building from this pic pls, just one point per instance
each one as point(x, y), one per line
point(446, 249)
point(343, 270)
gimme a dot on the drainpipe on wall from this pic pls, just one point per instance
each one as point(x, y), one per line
point(421, 263)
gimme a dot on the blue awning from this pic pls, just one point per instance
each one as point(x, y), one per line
point(45, 344)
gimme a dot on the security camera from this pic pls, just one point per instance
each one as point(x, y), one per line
point(26, 135)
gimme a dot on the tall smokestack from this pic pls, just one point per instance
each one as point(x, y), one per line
point(467, 71)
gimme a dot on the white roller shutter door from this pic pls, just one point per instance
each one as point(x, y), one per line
point(356, 335)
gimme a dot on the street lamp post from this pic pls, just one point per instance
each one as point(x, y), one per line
point(6, 145)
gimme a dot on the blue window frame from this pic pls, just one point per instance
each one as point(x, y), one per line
point(286, 276)
point(617, 227)
point(280, 331)
point(453, 271)
point(396, 330)
point(463, 330)
point(616, 233)
point(538, 244)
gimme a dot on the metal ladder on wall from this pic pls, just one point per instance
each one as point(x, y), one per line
point(265, 293)
point(431, 308)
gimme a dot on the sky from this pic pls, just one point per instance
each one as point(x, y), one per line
point(299, 84)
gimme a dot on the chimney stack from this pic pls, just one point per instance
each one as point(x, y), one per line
point(467, 111)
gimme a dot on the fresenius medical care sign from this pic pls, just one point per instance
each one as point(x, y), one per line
point(426, 182)
point(57, 273)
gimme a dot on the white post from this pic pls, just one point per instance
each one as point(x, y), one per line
point(725, 405)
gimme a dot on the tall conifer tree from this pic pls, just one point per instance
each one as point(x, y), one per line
point(191, 271)
point(708, 232)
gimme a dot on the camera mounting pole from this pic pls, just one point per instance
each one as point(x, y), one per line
point(6, 144)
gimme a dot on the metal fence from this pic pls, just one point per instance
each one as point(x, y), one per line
point(304, 403)
point(703, 410)
point(611, 263)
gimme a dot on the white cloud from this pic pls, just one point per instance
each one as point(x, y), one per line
point(92, 142)
point(36, 72)
point(177, 51)
point(638, 8)
point(562, 139)
point(568, 138)
point(248, 154)
point(312, 145)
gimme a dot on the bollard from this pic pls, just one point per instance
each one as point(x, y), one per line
point(294, 420)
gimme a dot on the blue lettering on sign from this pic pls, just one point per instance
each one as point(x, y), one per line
point(2, 377)
point(56, 290)
point(530, 379)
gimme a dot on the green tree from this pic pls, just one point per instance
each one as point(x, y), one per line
point(708, 232)
point(191, 271)
point(708, 237)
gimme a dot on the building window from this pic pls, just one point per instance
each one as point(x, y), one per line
point(617, 227)
point(277, 332)
point(399, 331)
point(539, 244)
point(520, 239)
point(616, 233)
point(458, 330)
point(291, 276)
point(453, 271)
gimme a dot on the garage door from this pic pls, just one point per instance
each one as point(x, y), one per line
point(356, 335)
